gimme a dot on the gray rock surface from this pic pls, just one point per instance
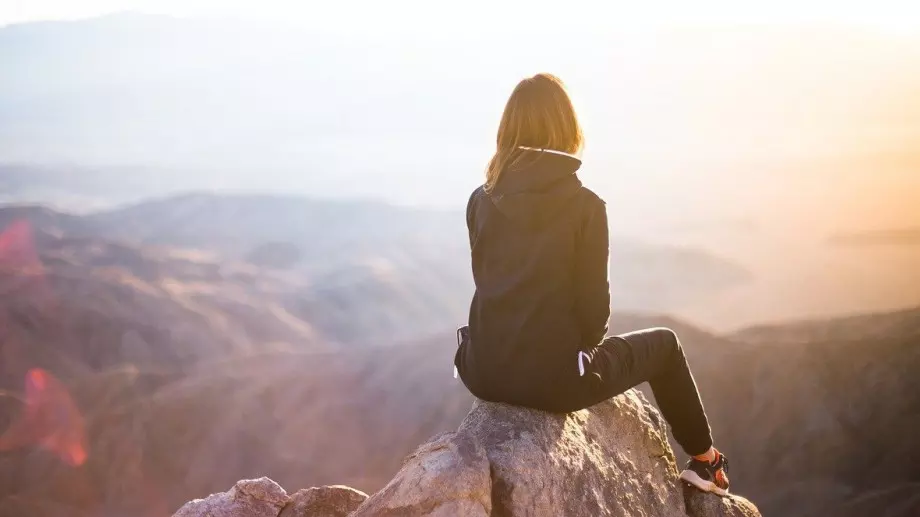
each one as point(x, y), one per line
point(264, 498)
point(248, 498)
point(447, 476)
point(610, 460)
point(700, 504)
point(324, 501)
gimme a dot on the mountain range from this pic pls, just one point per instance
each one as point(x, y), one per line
point(231, 250)
point(193, 368)
point(406, 270)
point(713, 123)
point(782, 157)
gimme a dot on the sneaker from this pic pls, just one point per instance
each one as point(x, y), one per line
point(708, 477)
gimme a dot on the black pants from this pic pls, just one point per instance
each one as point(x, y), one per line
point(654, 356)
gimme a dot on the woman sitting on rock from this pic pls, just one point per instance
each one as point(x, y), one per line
point(539, 315)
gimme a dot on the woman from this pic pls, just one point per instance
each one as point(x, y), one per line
point(539, 315)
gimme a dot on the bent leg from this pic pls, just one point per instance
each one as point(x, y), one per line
point(656, 356)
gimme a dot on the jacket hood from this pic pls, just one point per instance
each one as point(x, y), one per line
point(537, 187)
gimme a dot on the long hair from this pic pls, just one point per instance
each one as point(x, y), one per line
point(538, 115)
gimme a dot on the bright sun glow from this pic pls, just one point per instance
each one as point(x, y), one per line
point(892, 16)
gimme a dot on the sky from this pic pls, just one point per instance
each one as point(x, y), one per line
point(736, 135)
point(734, 122)
point(437, 16)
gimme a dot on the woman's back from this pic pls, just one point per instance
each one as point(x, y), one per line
point(537, 322)
point(526, 237)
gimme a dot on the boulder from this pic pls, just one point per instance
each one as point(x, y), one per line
point(701, 504)
point(325, 501)
point(248, 498)
point(447, 476)
point(612, 459)
point(264, 498)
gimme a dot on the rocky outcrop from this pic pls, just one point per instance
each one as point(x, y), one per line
point(264, 498)
point(324, 501)
point(505, 461)
point(248, 498)
point(612, 460)
point(449, 475)
point(705, 505)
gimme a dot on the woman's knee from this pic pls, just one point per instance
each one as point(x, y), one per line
point(668, 339)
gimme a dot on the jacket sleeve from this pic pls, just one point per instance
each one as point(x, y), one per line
point(592, 277)
point(470, 209)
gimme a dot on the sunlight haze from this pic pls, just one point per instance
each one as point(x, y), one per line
point(352, 16)
point(747, 132)
point(241, 242)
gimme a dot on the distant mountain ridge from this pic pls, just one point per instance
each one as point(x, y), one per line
point(367, 254)
point(842, 328)
point(176, 359)
point(206, 104)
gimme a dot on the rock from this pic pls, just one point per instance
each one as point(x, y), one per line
point(610, 460)
point(326, 501)
point(447, 476)
point(700, 504)
point(264, 498)
point(248, 498)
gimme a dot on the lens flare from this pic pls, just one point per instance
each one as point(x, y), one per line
point(22, 274)
point(17, 247)
point(49, 419)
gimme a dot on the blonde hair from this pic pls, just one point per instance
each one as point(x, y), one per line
point(538, 115)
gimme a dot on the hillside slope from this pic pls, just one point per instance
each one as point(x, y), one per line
point(840, 396)
point(353, 240)
point(612, 459)
point(405, 270)
point(191, 374)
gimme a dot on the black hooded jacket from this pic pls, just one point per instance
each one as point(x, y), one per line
point(539, 243)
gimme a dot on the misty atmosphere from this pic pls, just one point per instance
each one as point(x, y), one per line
point(238, 248)
point(750, 145)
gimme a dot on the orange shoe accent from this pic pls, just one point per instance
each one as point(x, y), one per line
point(721, 479)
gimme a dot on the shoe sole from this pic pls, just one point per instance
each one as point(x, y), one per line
point(706, 486)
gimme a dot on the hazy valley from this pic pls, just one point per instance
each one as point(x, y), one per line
point(230, 249)
point(330, 365)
